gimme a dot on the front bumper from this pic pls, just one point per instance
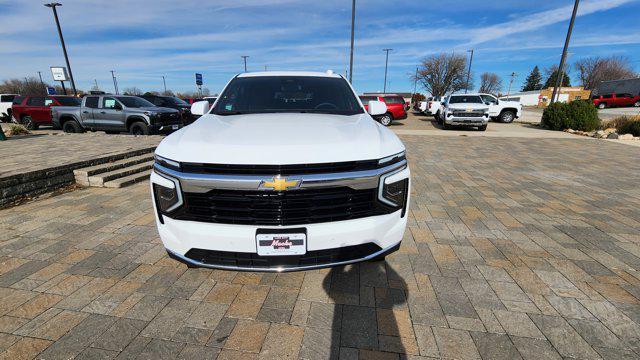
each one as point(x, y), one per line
point(466, 121)
point(165, 128)
point(235, 247)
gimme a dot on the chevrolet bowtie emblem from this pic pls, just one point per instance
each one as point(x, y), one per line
point(280, 184)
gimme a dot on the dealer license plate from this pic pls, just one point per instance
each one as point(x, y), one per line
point(278, 243)
point(175, 127)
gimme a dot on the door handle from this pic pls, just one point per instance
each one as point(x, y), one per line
point(85, 112)
point(102, 112)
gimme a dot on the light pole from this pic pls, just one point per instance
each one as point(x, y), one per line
point(469, 71)
point(164, 83)
point(64, 48)
point(115, 82)
point(513, 75)
point(353, 23)
point(560, 76)
point(40, 75)
point(386, 64)
point(415, 86)
point(244, 57)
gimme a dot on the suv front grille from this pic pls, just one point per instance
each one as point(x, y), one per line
point(468, 114)
point(294, 207)
point(297, 169)
point(168, 118)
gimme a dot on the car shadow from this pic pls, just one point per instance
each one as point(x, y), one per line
point(365, 295)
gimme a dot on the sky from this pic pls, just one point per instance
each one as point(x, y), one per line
point(146, 39)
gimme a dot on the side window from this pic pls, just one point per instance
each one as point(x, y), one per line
point(109, 103)
point(91, 102)
point(158, 101)
point(608, 96)
point(35, 101)
point(489, 99)
point(621, 95)
point(18, 100)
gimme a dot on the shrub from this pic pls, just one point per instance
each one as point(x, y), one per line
point(619, 122)
point(583, 116)
point(630, 127)
point(17, 130)
point(577, 115)
point(555, 116)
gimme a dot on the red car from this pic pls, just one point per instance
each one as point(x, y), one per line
point(615, 100)
point(395, 107)
point(33, 111)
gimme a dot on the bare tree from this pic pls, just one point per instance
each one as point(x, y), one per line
point(132, 91)
point(490, 83)
point(443, 73)
point(593, 70)
point(26, 86)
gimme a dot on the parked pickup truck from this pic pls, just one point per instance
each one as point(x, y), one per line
point(431, 106)
point(6, 100)
point(117, 113)
point(464, 110)
point(35, 111)
point(501, 110)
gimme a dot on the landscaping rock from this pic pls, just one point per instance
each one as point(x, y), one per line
point(612, 136)
point(600, 134)
point(625, 137)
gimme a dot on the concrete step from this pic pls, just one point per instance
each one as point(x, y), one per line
point(82, 175)
point(128, 180)
point(99, 180)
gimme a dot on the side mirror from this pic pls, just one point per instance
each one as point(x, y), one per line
point(117, 107)
point(200, 107)
point(377, 108)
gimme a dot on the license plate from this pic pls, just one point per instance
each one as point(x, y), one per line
point(281, 243)
point(175, 127)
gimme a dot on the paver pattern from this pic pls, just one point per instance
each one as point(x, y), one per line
point(516, 249)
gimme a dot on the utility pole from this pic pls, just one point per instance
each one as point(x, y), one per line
point(64, 48)
point(95, 82)
point(165, 84)
point(513, 75)
point(244, 57)
point(115, 82)
point(40, 75)
point(415, 86)
point(353, 23)
point(386, 64)
point(560, 76)
point(469, 71)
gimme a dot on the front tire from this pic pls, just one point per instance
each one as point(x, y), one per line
point(482, 128)
point(602, 105)
point(438, 118)
point(507, 117)
point(386, 119)
point(71, 127)
point(446, 126)
point(139, 128)
point(28, 123)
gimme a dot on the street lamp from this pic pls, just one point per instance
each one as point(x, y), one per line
point(244, 57)
point(386, 64)
point(560, 76)
point(165, 84)
point(64, 48)
point(469, 71)
point(115, 82)
point(353, 22)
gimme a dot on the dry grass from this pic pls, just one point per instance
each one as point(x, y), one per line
point(17, 130)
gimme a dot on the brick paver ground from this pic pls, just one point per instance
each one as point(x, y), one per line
point(516, 248)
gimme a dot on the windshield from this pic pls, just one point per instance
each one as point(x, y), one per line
point(68, 101)
point(176, 101)
point(273, 94)
point(134, 102)
point(462, 99)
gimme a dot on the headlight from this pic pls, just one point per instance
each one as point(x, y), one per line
point(392, 159)
point(394, 192)
point(167, 194)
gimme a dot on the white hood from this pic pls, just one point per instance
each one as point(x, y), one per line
point(280, 139)
point(463, 106)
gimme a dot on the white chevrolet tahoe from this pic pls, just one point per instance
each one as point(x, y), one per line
point(6, 101)
point(285, 172)
point(464, 110)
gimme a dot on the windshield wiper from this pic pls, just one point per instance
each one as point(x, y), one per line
point(223, 113)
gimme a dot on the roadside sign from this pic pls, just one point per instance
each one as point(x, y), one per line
point(198, 79)
point(59, 73)
point(51, 90)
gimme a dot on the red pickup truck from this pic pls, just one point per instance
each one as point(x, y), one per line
point(33, 111)
point(615, 100)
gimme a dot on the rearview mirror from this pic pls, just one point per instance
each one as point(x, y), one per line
point(200, 107)
point(377, 108)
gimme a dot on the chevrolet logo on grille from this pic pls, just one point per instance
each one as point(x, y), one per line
point(468, 110)
point(278, 183)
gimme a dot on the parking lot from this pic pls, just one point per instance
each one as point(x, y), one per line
point(521, 243)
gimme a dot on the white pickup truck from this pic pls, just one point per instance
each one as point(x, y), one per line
point(6, 101)
point(286, 172)
point(431, 106)
point(501, 110)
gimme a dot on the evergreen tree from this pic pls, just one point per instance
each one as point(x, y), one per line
point(534, 80)
point(553, 76)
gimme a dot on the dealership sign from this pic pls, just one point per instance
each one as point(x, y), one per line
point(59, 73)
point(198, 79)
